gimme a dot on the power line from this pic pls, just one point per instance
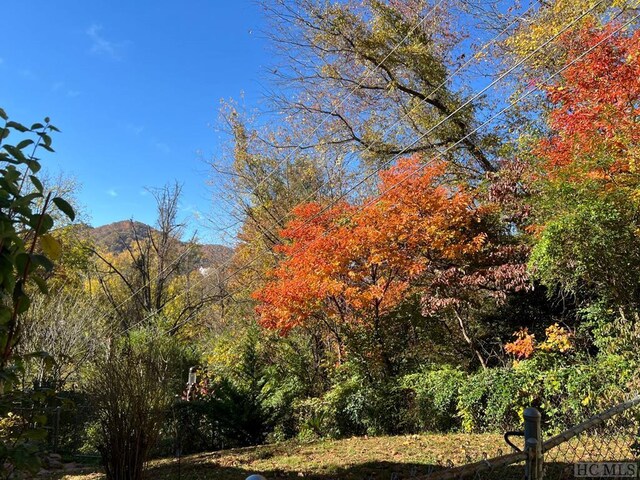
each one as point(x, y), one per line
point(351, 92)
point(503, 110)
point(435, 90)
point(419, 104)
point(423, 101)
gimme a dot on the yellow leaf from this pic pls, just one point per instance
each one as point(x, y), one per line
point(51, 247)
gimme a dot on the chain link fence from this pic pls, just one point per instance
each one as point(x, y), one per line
point(604, 446)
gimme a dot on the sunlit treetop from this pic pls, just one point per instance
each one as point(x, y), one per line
point(553, 19)
point(596, 105)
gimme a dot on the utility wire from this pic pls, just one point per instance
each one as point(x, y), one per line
point(286, 159)
point(503, 110)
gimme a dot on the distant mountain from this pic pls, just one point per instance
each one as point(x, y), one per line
point(115, 236)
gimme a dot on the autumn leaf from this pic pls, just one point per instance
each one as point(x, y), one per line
point(51, 247)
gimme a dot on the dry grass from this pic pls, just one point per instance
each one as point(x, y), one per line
point(354, 458)
point(362, 458)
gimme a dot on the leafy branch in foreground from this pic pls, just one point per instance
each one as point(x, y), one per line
point(27, 253)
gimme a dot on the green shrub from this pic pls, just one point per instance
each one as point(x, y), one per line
point(566, 393)
point(490, 400)
point(354, 406)
point(435, 394)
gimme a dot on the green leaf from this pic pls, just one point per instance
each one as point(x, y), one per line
point(9, 187)
point(3, 114)
point(17, 126)
point(33, 165)
point(40, 282)
point(46, 139)
point(43, 261)
point(36, 183)
point(17, 154)
point(20, 298)
point(25, 200)
point(24, 143)
point(65, 208)
point(42, 222)
point(36, 126)
point(23, 261)
point(5, 315)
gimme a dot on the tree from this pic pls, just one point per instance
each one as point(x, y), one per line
point(352, 266)
point(262, 184)
point(587, 216)
point(550, 20)
point(371, 79)
point(149, 277)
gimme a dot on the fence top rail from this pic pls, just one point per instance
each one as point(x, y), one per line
point(505, 460)
point(471, 468)
point(595, 420)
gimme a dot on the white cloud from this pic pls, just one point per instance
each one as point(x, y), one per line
point(163, 147)
point(100, 45)
point(62, 87)
point(112, 192)
point(135, 129)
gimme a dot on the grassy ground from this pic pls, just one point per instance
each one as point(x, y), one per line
point(379, 458)
point(348, 459)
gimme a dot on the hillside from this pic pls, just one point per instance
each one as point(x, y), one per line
point(114, 236)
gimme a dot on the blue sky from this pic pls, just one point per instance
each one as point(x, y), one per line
point(135, 87)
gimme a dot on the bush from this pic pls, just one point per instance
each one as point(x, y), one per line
point(340, 412)
point(226, 417)
point(355, 406)
point(130, 397)
point(436, 398)
point(27, 252)
point(279, 395)
point(565, 392)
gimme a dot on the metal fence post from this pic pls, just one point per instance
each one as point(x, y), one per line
point(533, 444)
point(56, 429)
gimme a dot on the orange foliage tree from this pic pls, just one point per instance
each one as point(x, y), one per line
point(353, 265)
point(589, 204)
point(596, 104)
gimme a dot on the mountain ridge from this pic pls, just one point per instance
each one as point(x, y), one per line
point(113, 237)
